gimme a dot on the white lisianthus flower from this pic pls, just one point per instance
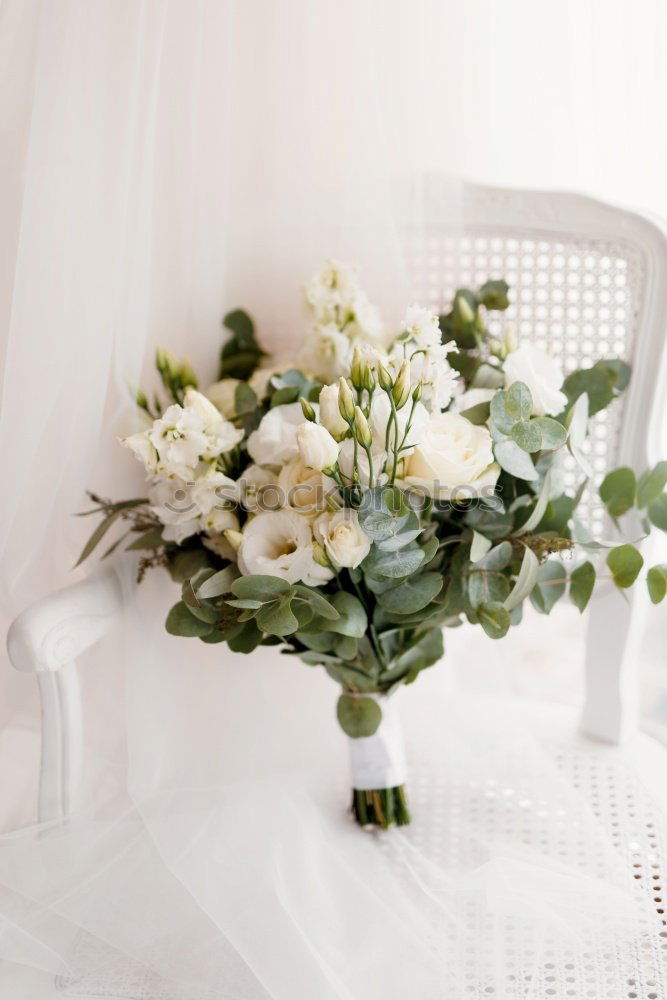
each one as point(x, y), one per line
point(342, 537)
point(453, 456)
point(258, 487)
point(429, 365)
point(317, 447)
point(213, 489)
point(330, 415)
point(280, 543)
point(422, 326)
point(326, 352)
point(274, 441)
point(214, 524)
point(170, 499)
point(223, 396)
point(472, 397)
point(330, 289)
point(142, 448)
point(304, 488)
point(185, 435)
point(542, 374)
point(379, 419)
point(346, 463)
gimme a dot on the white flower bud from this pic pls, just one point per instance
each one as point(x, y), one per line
point(317, 448)
point(330, 415)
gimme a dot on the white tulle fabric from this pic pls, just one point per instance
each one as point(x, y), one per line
point(167, 161)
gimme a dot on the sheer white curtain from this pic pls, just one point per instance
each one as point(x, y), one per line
point(165, 161)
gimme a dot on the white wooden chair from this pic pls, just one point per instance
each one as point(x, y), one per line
point(589, 280)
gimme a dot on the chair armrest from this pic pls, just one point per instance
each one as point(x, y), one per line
point(56, 629)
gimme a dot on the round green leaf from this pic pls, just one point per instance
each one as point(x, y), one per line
point(352, 619)
point(553, 433)
point(657, 512)
point(550, 586)
point(277, 618)
point(518, 401)
point(358, 717)
point(651, 484)
point(657, 582)
point(618, 490)
point(527, 434)
point(412, 595)
point(514, 460)
point(260, 588)
point(181, 622)
point(494, 619)
point(625, 563)
point(582, 581)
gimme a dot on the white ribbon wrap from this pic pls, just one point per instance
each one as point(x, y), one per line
point(378, 761)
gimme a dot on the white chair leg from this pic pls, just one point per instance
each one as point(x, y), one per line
point(613, 645)
point(62, 738)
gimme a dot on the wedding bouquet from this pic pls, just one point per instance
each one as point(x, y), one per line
point(348, 505)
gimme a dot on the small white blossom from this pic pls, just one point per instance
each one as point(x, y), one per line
point(422, 326)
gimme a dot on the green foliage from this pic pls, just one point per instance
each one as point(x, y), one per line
point(494, 295)
point(494, 619)
point(241, 354)
point(582, 581)
point(549, 587)
point(657, 512)
point(651, 484)
point(181, 621)
point(602, 383)
point(293, 385)
point(625, 562)
point(618, 491)
point(358, 717)
point(656, 581)
point(413, 594)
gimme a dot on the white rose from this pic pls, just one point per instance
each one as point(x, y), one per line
point(542, 374)
point(223, 396)
point(452, 454)
point(170, 499)
point(141, 447)
point(304, 488)
point(346, 463)
point(330, 415)
point(342, 537)
point(317, 448)
point(274, 441)
point(280, 543)
point(379, 419)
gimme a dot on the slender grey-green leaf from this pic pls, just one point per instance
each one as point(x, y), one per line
point(525, 581)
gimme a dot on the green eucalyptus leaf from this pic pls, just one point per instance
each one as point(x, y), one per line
point(322, 642)
point(625, 562)
point(554, 435)
point(218, 584)
point(318, 602)
point(494, 619)
point(514, 460)
point(247, 639)
point(618, 490)
point(657, 512)
point(181, 621)
point(497, 558)
point(656, 581)
point(259, 587)
point(188, 562)
point(582, 582)
point(527, 435)
point(550, 586)
point(487, 587)
point(352, 620)
point(246, 603)
point(424, 650)
point(358, 716)
point(412, 595)
point(651, 484)
point(525, 581)
point(518, 401)
point(277, 618)
point(397, 564)
point(500, 417)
